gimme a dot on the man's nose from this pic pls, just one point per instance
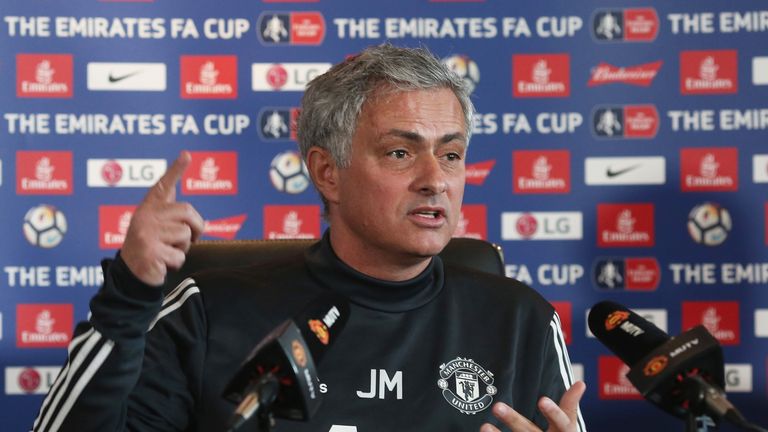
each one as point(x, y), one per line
point(431, 177)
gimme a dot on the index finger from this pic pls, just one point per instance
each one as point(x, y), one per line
point(511, 419)
point(564, 416)
point(165, 188)
point(570, 400)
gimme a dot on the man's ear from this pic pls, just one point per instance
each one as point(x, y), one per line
point(324, 173)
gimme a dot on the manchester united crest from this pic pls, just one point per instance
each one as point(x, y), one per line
point(466, 385)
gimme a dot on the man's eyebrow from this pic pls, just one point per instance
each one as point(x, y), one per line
point(416, 137)
point(458, 136)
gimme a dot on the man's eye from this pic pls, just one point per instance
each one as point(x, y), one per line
point(398, 154)
point(453, 156)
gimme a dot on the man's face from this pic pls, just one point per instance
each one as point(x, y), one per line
point(400, 198)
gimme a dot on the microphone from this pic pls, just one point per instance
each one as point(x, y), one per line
point(682, 375)
point(279, 376)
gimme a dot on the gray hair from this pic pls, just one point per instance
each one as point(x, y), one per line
point(332, 102)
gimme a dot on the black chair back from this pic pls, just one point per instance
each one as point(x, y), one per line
point(477, 254)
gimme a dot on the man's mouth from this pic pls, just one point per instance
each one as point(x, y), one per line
point(430, 214)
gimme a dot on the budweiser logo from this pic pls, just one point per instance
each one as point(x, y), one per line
point(477, 173)
point(641, 75)
point(226, 228)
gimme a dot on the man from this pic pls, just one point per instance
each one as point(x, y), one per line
point(427, 346)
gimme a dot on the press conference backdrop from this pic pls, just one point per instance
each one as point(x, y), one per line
point(619, 152)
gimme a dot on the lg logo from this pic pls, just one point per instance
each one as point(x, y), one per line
point(124, 172)
point(541, 226)
point(738, 378)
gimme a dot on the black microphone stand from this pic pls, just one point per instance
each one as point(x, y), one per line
point(706, 402)
point(263, 396)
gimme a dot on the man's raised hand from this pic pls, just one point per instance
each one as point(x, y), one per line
point(562, 418)
point(161, 229)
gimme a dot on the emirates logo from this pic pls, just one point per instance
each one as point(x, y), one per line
point(628, 225)
point(541, 75)
point(541, 168)
point(44, 170)
point(710, 319)
point(625, 223)
point(709, 169)
point(44, 322)
point(708, 166)
point(208, 74)
point(292, 224)
point(209, 77)
point(709, 72)
point(209, 171)
point(45, 81)
point(208, 82)
point(124, 222)
point(44, 73)
point(708, 69)
point(461, 227)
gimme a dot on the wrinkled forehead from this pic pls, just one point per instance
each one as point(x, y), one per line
point(416, 115)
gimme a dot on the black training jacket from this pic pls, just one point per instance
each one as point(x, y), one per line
point(429, 354)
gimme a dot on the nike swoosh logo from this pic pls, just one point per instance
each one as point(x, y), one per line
point(611, 173)
point(114, 79)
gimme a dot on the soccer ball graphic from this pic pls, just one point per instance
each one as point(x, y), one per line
point(44, 226)
point(288, 173)
point(465, 68)
point(709, 224)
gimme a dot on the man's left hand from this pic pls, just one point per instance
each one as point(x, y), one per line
point(562, 418)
